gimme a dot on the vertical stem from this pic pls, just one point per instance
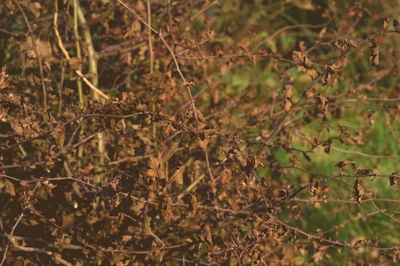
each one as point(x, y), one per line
point(78, 52)
point(10, 236)
point(92, 53)
point(37, 54)
point(78, 80)
point(93, 77)
point(151, 54)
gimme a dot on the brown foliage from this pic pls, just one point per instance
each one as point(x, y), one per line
point(146, 158)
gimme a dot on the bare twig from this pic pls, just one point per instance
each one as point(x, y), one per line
point(150, 38)
point(191, 186)
point(384, 212)
point(65, 52)
point(204, 9)
point(291, 27)
point(39, 58)
point(10, 237)
point(160, 36)
point(94, 88)
point(78, 52)
point(373, 156)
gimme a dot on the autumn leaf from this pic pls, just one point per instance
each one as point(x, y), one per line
point(344, 163)
point(173, 147)
point(16, 125)
point(374, 52)
point(202, 144)
point(386, 21)
point(126, 238)
point(9, 188)
point(358, 190)
point(177, 176)
point(288, 105)
point(156, 168)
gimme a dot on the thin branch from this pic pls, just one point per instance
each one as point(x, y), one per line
point(365, 154)
point(39, 58)
point(204, 9)
point(384, 212)
point(343, 201)
point(65, 52)
point(159, 35)
point(10, 237)
point(353, 219)
point(191, 186)
point(94, 88)
point(150, 38)
point(291, 27)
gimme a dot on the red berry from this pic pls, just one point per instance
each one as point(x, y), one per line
point(352, 13)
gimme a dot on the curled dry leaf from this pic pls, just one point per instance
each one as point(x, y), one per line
point(300, 58)
point(396, 24)
point(374, 52)
point(3, 78)
point(177, 176)
point(344, 163)
point(359, 171)
point(9, 188)
point(157, 168)
point(358, 190)
point(385, 22)
point(394, 179)
point(202, 144)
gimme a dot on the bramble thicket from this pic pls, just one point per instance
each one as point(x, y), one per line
point(149, 132)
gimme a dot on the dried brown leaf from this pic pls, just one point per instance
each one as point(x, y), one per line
point(177, 177)
point(9, 188)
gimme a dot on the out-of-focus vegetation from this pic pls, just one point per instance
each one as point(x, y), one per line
point(200, 132)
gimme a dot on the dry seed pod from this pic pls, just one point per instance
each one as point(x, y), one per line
point(374, 52)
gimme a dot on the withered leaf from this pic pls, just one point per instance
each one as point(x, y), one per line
point(288, 105)
point(224, 69)
point(170, 152)
point(305, 155)
point(344, 163)
point(318, 256)
point(288, 90)
point(226, 175)
point(207, 231)
point(75, 63)
point(394, 179)
point(126, 238)
point(202, 144)
point(168, 130)
point(16, 125)
point(345, 44)
point(59, 135)
point(9, 188)
point(386, 21)
point(312, 73)
point(374, 52)
point(177, 177)
point(359, 171)
point(300, 58)
point(396, 24)
point(193, 205)
point(156, 167)
point(358, 190)
point(3, 78)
